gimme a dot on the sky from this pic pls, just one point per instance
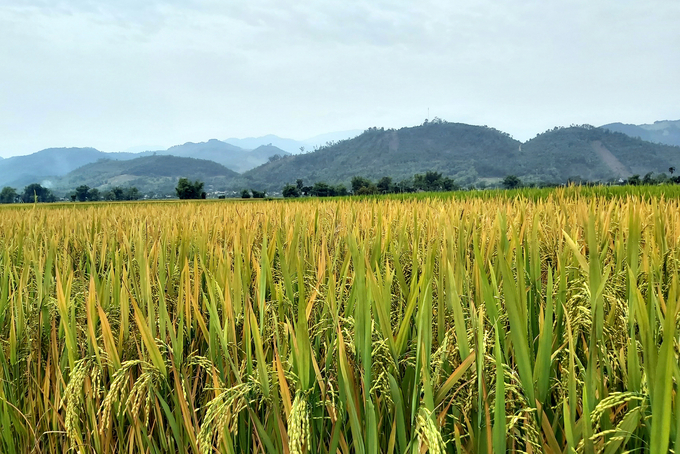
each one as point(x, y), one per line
point(118, 74)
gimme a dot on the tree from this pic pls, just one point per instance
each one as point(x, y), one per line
point(433, 181)
point(671, 170)
point(187, 190)
point(245, 194)
point(299, 183)
point(131, 194)
point(291, 191)
point(8, 195)
point(258, 194)
point(634, 180)
point(36, 193)
point(406, 186)
point(367, 190)
point(81, 193)
point(360, 182)
point(321, 189)
point(385, 185)
point(341, 190)
point(512, 182)
point(118, 193)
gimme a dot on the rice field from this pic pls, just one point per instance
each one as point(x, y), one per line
point(382, 325)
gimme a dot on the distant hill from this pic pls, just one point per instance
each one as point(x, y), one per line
point(19, 171)
point(230, 156)
point(462, 151)
point(293, 146)
point(666, 132)
point(594, 154)
point(472, 155)
point(150, 174)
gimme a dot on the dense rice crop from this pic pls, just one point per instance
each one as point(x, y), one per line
point(381, 325)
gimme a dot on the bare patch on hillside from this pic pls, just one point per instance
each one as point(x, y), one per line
point(608, 158)
point(394, 141)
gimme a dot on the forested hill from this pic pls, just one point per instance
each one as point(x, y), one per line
point(593, 154)
point(458, 150)
point(666, 131)
point(19, 171)
point(150, 174)
point(473, 155)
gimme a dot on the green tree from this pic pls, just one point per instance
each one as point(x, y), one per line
point(187, 190)
point(360, 182)
point(634, 180)
point(81, 193)
point(321, 189)
point(367, 190)
point(290, 191)
point(433, 181)
point(512, 182)
point(385, 185)
point(36, 193)
point(245, 194)
point(341, 190)
point(8, 195)
point(258, 194)
point(131, 193)
point(118, 193)
point(648, 179)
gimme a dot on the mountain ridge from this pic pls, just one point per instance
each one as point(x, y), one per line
point(471, 155)
point(664, 131)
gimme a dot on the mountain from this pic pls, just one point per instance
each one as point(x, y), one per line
point(293, 146)
point(462, 151)
point(666, 132)
point(472, 155)
point(150, 174)
point(594, 154)
point(19, 171)
point(230, 156)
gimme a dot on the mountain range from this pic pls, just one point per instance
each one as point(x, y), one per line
point(155, 174)
point(49, 165)
point(471, 155)
point(294, 146)
point(666, 131)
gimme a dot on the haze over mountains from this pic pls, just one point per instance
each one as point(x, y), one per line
point(46, 166)
point(293, 146)
point(666, 131)
point(471, 155)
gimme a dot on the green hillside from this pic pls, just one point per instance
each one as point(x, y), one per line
point(666, 131)
point(150, 174)
point(593, 154)
point(462, 151)
point(473, 155)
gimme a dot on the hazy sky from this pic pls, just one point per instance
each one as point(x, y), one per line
point(121, 73)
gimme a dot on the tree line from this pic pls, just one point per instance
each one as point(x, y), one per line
point(430, 181)
point(36, 193)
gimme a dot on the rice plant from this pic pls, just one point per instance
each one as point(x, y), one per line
point(544, 322)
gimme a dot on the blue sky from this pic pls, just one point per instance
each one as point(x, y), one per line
point(120, 74)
